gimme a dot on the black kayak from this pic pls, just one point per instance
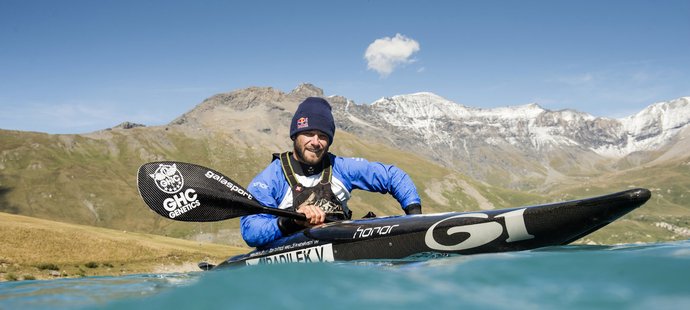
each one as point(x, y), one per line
point(399, 237)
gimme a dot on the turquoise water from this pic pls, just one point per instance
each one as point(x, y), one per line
point(649, 276)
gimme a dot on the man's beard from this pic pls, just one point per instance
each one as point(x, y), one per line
point(300, 153)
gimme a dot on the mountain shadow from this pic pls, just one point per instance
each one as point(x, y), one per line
point(5, 206)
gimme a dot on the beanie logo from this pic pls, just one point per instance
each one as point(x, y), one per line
point(302, 122)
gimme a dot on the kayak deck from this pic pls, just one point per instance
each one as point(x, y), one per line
point(397, 237)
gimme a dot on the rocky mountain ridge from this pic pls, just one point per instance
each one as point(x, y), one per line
point(520, 147)
point(525, 141)
point(534, 127)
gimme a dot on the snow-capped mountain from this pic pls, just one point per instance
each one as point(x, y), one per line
point(651, 128)
point(515, 146)
point(440, 121)
point(517, 142)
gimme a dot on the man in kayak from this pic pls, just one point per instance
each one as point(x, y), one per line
point(316, 183)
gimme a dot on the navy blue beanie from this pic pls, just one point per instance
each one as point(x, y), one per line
point(313, 114)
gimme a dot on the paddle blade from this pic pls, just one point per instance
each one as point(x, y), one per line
point(192, 193)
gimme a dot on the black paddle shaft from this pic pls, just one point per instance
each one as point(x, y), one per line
point(192, 193)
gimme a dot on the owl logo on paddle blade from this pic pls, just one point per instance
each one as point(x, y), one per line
point(167, 178)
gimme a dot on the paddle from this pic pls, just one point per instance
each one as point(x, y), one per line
point(192, 193)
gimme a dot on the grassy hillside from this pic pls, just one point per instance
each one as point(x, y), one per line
point(91, 180)
point(667, 214)
point(33, 248)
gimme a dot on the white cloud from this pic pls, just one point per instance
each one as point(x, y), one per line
point(385, 54)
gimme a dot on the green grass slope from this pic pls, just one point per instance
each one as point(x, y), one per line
point(91, 180)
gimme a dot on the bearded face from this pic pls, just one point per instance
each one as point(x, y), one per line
point(310, 146)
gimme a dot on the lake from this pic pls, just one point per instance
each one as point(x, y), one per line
point(635, 276)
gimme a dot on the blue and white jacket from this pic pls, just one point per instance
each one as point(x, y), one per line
point(271, 189)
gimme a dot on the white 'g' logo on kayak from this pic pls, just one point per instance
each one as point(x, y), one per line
point(482, 233)
point(167, 178)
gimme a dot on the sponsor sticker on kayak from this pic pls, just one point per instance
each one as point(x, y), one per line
point(481, 233)
point(316, 254)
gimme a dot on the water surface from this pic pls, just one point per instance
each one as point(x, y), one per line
point(648, 276)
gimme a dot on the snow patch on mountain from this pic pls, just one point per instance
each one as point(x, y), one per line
point(440, 121)
point(651, 128)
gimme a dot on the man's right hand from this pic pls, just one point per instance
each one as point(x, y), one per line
point(314, 214)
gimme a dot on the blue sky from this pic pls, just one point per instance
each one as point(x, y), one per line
point(79, 66)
